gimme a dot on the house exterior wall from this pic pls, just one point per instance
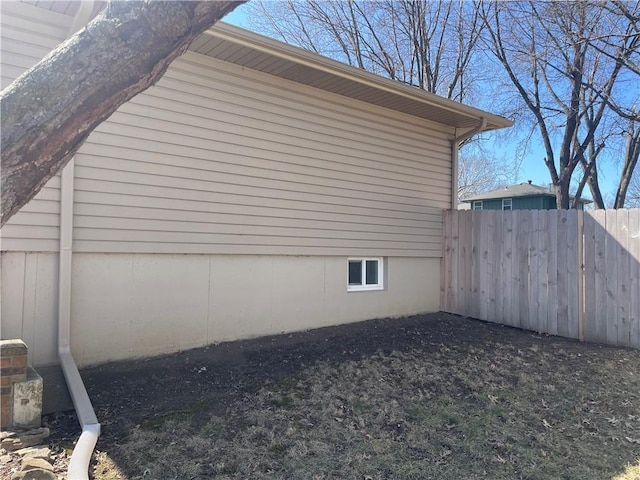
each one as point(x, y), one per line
point(220, 159)
point(221, 204)
point(215, 159)
point(137, 305)
point(27, 34)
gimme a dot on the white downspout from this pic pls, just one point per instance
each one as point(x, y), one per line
point(454, 158)
point(79, 463)
point(81, 456)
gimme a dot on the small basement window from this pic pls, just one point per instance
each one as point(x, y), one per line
point(364, 274)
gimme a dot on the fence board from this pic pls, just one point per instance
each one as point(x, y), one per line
point(506, 272)
point(568, 273)
point(552, 275)
point(611, 277)
point(520, 268)
point(515, 279)
point(600, 272)
point(486, 265)
point(542, 293)
point(494, 280)
point(573, 261)
point(534, 277)
point(590, 321)
point(466, 260)
point(634, 275)
point(445, 263)
point(563, 282)
point(621, 237)
point(453, 255)
point(480, 267)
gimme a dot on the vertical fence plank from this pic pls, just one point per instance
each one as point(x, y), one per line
point(634, 276)
point(494, 280)
point(534, 272)
point(453, 267)
point(580, 273)
point(563, 281)
point(611, 277)
point(447, 261)
point(600, 275)
point(573, 299)
point(552, 274)
point(484, 266)
point(463, 228)
point(590, 323)
point(476, 252)
point(621, 237)
point(524, 231)
point(515, 269)
point(506, 261)
point(465, 261)
point(543, 279)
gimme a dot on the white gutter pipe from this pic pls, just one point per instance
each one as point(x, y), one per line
point(454, 154)
point(81, 456)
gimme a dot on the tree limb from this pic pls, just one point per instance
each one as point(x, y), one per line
point(123, 51)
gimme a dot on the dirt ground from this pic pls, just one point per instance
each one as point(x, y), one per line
point(429, 396)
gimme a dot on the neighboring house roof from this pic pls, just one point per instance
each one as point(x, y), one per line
point(525, 189)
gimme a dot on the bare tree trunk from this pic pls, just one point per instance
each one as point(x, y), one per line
point(630, 161)
point(50, 110)
point(549, 51)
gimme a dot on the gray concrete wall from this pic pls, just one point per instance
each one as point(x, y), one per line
point(137, 305)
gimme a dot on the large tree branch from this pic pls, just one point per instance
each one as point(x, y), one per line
point(51, 109)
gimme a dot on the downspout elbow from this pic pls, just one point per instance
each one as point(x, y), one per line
point(465, 136)
point(81, 457)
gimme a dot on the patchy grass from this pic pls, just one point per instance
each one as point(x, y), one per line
point(495, 408)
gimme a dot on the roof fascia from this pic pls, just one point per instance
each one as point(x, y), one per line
point(300, 56)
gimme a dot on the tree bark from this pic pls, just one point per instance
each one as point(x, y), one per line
point(48, 112)
point(632, 155)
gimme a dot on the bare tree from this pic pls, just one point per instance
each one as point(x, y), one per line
point(478, 173)
point(426, 44)
point(630, 161)
point(564, 77)
point(633, 193)
point(122, 52)
point(423, 43)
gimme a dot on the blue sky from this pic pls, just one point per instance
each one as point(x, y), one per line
point(237, 17)
point(532, 166)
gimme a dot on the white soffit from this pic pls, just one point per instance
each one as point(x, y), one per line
point(257, 52)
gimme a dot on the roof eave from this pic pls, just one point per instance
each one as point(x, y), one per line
point(296, 55)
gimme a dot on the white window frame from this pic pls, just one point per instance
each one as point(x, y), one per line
point(510, 200)
point(476, 205)
point(366, 287)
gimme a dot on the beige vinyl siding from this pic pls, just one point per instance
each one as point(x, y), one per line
point(27, 35)
point(219, 159)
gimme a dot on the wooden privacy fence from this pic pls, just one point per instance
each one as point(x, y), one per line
point(563, 272)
